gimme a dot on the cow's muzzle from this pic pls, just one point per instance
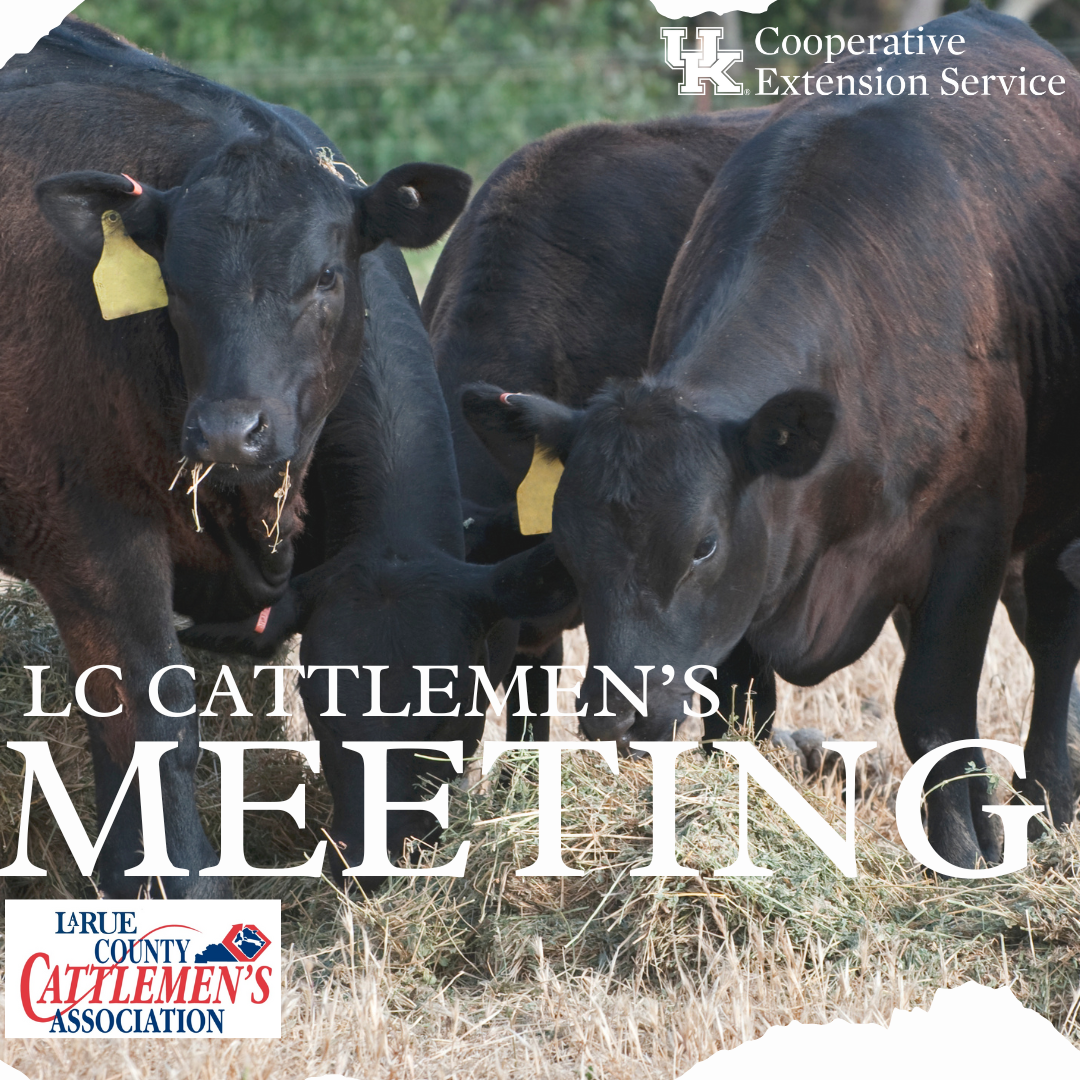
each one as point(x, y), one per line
point(236, 432)
point(607, 728)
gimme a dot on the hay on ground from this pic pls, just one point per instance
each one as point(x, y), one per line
point(605, 975)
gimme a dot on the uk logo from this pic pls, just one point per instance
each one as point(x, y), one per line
point(707, 62)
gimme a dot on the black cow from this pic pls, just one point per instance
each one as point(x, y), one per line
point(550, 283)
point(865, 390)
point(258, 240)
point(441, 607)
point(381, 577)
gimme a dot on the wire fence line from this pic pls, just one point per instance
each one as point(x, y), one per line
point(317, 73)
point(474, 109)
point(467, 109)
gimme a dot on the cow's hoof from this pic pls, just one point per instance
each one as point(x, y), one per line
point(814, 756)
point(964, 852)
point(788, 747)
point(815, 761)
point(1057, 799)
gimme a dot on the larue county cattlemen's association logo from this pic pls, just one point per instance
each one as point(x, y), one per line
point(143, 969)
point(707, 62)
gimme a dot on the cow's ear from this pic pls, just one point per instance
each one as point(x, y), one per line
point(510, 425)
point(74, 202)
point(532, 584)
point(785, 437)
point(411, 206)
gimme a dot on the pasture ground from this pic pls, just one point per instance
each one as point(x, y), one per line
point(604, 976)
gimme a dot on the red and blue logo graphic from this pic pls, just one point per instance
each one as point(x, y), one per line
point(242, 944)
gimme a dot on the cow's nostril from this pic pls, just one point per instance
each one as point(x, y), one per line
point(260, 424)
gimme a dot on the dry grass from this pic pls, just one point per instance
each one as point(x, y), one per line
point(492, 976)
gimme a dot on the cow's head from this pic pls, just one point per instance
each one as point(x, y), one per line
point(364, 608)
point(259, 247)
point(660, 521)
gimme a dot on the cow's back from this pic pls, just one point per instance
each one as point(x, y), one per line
point(552, 278)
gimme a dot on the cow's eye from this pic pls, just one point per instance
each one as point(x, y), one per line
point(705, 549)
point(327, 279)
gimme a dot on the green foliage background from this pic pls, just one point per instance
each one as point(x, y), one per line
point(464, 82)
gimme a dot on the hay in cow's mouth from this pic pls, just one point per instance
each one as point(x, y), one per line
point(273, 532)
point(199, 472)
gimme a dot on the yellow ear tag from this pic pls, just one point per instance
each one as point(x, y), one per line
point(536, 493)
point(127, 279)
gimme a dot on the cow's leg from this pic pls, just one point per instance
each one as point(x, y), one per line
point(1052, 638)
point(409, 778)
point(901, 618)
point(1014, 596)
point(1073, 737)
point(344, 772)
point(119, 611)
point(744, 683)
point(533, 728)
point(936, 700)
point(125, 835)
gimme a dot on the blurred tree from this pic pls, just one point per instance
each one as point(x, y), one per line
point(462, 81)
